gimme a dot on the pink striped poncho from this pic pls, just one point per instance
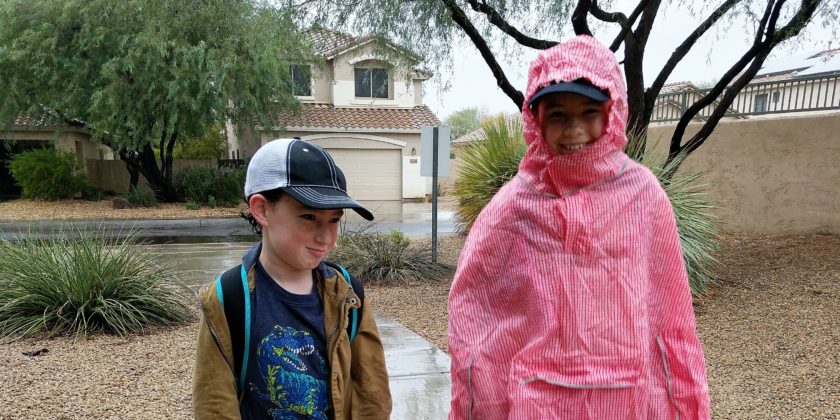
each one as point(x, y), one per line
point(571, 299)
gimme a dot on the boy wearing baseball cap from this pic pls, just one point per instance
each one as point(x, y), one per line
point(285, 335)
point(571, 298)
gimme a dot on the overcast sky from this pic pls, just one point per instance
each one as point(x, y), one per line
point(472, 84)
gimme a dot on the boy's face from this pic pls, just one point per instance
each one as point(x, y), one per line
point(570, 122)
point(297, 237)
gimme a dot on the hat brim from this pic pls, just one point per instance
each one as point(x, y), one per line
point(324, 198)
point(586, 90)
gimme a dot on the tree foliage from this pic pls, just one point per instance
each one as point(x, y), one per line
point(497, 27)
point(464, 121)
point(138, 73)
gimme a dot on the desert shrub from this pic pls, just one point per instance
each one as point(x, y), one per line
point(78, 284)
point(140, 196)
point(487, 165)
point(210, 185)
point(48, 174)
point(390, 258)
point(491, 161)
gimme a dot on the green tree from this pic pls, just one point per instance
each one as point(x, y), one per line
point(210, 145)
point(138, 73)
point(464, 121)
point(497, 27)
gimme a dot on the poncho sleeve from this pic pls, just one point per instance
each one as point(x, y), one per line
point(672, 316)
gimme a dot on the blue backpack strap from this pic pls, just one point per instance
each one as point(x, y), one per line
point(232, 290)
point(353, 327)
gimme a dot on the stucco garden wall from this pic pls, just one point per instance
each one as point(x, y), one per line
point(779, 175)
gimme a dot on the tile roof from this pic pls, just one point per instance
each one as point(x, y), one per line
point(43, 120)
point(328, 116)
point(677, 87)
point(327, 40)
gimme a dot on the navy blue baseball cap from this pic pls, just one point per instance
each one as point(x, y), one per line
point(580, 86)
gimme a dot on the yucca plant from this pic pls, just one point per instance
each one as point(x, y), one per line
point(487, 164)
point(386, 258)
point(693, 210)
point(77, 283)
point(494, 159)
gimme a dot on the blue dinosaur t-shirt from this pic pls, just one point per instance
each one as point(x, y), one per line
point(287, 372)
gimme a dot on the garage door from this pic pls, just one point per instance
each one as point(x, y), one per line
point(372, 174)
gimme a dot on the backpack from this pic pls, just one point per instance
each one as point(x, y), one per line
point(231, 289)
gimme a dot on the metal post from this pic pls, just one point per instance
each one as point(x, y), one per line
point(434, 192)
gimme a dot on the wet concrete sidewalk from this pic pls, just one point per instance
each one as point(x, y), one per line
point(419, 371)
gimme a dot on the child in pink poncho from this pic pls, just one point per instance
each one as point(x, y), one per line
point(571, 299)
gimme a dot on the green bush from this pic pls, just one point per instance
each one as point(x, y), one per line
point(211, 186)
point(48, 174)
point(81, 285)
point(490, 162)
point(141, 196)
point(192, 205)
point(386, 258)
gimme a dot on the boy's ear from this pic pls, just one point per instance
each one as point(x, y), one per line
point(259, 207)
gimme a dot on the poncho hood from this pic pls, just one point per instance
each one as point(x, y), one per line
point(581, 57)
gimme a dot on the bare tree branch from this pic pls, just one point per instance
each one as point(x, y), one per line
point(602, 15)
point(680, 52)
point(628, 27)
point(494, 17)
point(463, 21)
point(579, 18)
point(760, 51)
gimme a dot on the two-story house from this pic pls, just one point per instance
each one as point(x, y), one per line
point(365, 106)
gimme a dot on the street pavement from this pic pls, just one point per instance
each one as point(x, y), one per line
point(415, 221)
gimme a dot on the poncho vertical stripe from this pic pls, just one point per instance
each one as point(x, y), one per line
point(571, 298)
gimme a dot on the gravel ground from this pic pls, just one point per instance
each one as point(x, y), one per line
point(29, 210)
point(770, 330)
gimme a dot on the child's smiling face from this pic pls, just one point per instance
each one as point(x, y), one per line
point(570, 122)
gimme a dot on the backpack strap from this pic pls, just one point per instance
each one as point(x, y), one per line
point(231, 289)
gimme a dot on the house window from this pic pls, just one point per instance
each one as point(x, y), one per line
point(371, 83)
point(775, 97)
point(301, 80)
point(760, 103)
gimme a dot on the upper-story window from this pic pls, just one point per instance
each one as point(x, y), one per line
point(301, 80)
point(371, 82)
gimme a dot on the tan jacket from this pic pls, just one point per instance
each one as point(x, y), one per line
point(358, 378)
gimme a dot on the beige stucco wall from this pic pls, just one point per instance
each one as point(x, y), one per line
point(343, 84)
point(322, 75)
point(778, 175)
point(76, 142)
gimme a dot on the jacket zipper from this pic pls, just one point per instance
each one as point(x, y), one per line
point(214, 334)
point(337, 325)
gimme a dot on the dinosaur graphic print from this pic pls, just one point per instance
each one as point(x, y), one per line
point(284, 357)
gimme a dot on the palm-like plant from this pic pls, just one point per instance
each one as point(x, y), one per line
point(494, 159)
